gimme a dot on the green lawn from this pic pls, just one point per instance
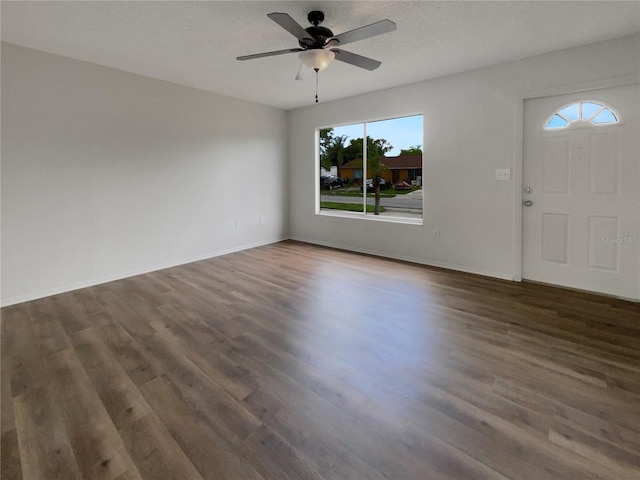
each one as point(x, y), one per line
point(350, 207)
point(355, 192)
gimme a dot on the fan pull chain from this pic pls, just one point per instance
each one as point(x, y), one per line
point(316, 70)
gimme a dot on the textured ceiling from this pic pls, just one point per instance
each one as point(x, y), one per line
point(195, 43)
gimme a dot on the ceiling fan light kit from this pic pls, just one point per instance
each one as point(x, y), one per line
point(318, 44)
point(316, 59)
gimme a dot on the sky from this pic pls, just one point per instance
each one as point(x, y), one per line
point(402, 132)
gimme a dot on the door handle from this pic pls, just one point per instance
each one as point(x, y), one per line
point(527, 203)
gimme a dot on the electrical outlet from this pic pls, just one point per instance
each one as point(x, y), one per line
point(436, 233)
point(503, 174)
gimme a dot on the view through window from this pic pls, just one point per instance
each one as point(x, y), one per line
point(382, 176)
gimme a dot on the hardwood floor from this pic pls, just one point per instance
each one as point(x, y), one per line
point(292, 361)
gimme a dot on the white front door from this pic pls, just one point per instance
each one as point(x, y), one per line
point(581, 191)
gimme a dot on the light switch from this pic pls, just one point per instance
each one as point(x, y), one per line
point(503, 174)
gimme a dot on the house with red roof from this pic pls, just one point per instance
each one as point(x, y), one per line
point(402, 168)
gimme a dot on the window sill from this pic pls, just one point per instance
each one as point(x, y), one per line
point(370, 217)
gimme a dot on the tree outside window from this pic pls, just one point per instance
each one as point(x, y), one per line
point(381, 178)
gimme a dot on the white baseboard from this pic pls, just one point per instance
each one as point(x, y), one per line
point(97, 281)
point(77, 286)
point(421, 261)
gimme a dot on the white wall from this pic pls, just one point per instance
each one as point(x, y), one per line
point(472, 125)
point(107, 174)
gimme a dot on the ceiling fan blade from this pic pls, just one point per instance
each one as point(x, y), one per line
point(269, 54)
point(368, 31)
point(356, 60)
point(290, 25)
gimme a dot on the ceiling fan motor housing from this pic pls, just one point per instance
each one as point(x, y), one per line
point(320, 36)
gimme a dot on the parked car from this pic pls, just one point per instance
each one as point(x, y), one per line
point(330, 182)
point(384, 185)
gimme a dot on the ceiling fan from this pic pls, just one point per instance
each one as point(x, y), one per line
point(319, 46)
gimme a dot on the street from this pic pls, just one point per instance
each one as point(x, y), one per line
point(409, 203)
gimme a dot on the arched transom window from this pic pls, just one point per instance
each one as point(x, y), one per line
point(581, 114)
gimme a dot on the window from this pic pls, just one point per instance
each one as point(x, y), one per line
point(581, 114)
point(380, 178)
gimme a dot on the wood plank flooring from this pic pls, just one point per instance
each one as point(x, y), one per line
point(293, 361)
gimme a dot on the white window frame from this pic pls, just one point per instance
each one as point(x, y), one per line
point(580, 122)
point(363, 215)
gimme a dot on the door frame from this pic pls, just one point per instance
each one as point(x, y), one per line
point(518, 161)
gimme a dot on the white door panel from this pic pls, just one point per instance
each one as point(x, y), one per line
point(582, 229)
